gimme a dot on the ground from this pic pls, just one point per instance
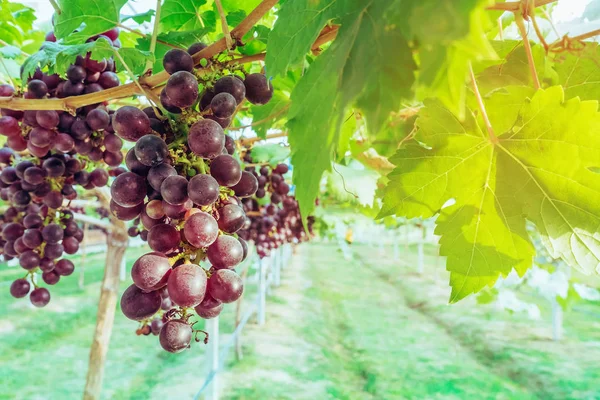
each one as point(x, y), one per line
point(364, 328)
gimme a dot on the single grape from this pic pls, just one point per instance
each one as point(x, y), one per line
point(175, 336)
point(203, 189)
point(247, 186)
point(174, 189)
point(232, 85)
point(109, 80)
point(201, 230)
point(156, 325)
point(164, 238)
point(139, 305)
point(229, 144)
point(76, 73)
point(151, 271)
point(226, 170)
point(208, 313)
point(20, 288)
point(48, 119)
point(206, 139)
point(134, 164)
point(258, 89)
point(131, 123)
point(99, 177)
point(53, 233)
point(176, 60)
point(169, 104)
point(151, 150)
point(176, 211)
point(182, 89)
point(187, 285)
point(53, 250)
point(64, 267)
point(54, 167)
point(125, 213)
point(225, 252)
point(50, 277)
point(39, 297)
point(223, 105)
point(196, 47)
point(97, 119)
point(225, 285)
point(37, 88)
point(9, 126)
point(154, 209)
point(231, 218)
point(32, 238)
point(128, 189)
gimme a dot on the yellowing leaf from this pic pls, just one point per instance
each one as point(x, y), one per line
point(540, 169)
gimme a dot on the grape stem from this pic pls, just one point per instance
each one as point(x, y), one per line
point(515, 6)
point(248, 141)
point(521, 25)
point(55, 6)
point(484, 115)
point(224, 25)
point(154, 33)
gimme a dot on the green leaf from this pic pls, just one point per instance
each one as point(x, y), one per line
point(16, 22)
point(528, 174)
point(10, 51)
point(140, 18)
point(270, 153)
point(342, 74)
point(444, 65)
point(235, 17)
point(247, 5)
point(273, 109)
point(89, 17)
point(579, 73)
point(185, 15)
point(512, 68)
point(298, 25)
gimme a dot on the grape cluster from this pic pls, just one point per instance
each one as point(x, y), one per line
point(183, 191)
point(48, 154)
point(278, 221)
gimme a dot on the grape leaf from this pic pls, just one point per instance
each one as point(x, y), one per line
point(185, 15)
point(16, 22)
point(10, 51)
point(140, 18)
point(265, 113)
point(57, 57)
point(343, 73)
point(270, 153)
point(247, 5)
point(579, 73)
point(298, 25)
point(444, 65)
point(529, 173)
point(89, 17)
point(235, 17)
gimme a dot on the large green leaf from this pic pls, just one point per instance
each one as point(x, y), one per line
point(185, 15)
point(297, 27)
point(270, 153)
point(140, 18)
point(16, 22)
point(336, 79)
point(539, 169)
point(88, 17)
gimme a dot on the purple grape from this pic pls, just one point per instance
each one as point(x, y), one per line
point(176, 60)
point(174, 190)
point(225, 285)
point(139, 305)
point(164, 238)
point(206, 139)
point(201, 230)
point(151, 271)
point(232, 85)
point(258, 89)
point(182, 89)
point(225, 252)
point(175, 336)
point(131, 123)
point(157, 175)
point(20, 288)
point(231, 218)
point(223, 105)
point(151, 150)
point(226, 170)
point(187, 285)
point(203, 189)
point(128, 189)
point(40, 297)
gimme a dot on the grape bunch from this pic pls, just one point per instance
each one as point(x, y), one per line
point(278, 221)
point(47, 154)
point(183, 191)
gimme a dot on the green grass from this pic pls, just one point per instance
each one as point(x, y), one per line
point(366, 328)
point(377, 330)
